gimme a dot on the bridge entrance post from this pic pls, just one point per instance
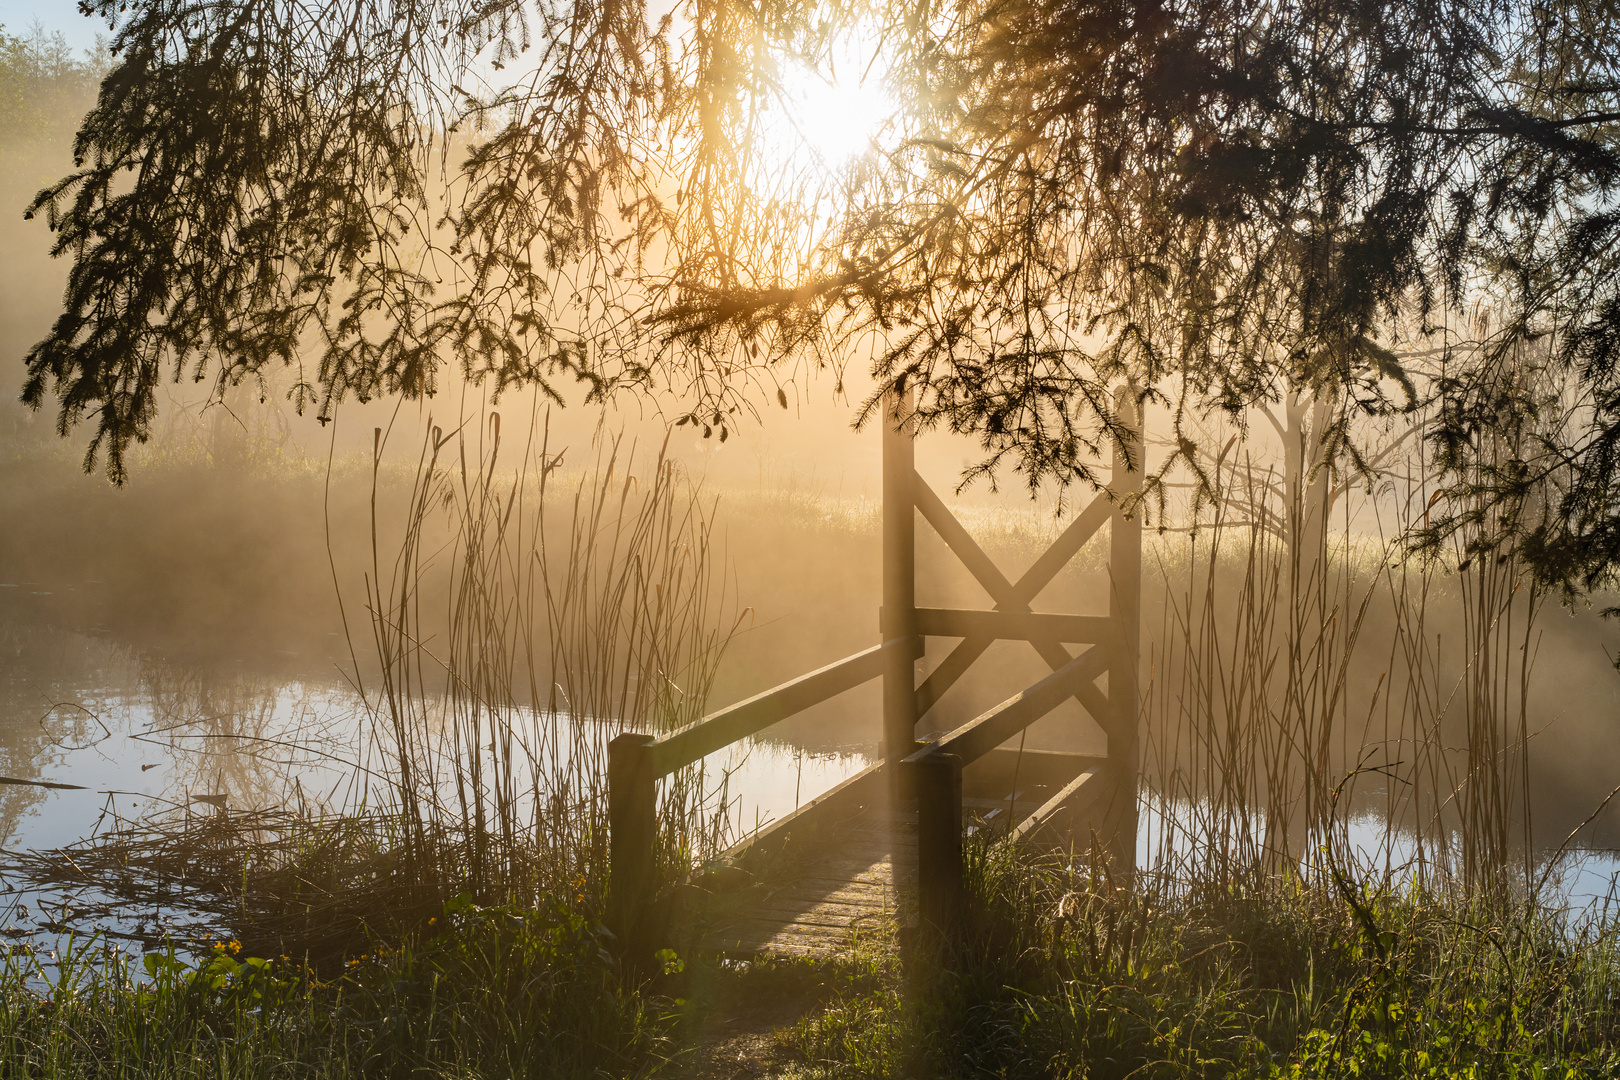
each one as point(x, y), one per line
point(941, 890)
point(632, 854)
point(898, 618)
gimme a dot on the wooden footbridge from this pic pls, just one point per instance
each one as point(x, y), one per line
point(888, 841)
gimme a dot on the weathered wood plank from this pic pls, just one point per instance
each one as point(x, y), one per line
point(865, 881)
point(787, 946)
point(864, 889)
point(835, 886)
point(1075, 797)
point(1003, 768)
point(1013, 625)
point(859, 874)
point(958, 539)
point(896, 619)
point(814, 901)
point(816, 916)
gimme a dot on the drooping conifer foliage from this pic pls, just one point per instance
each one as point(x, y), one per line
point(1383, 204)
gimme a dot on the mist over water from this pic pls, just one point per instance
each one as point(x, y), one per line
point(224, 571)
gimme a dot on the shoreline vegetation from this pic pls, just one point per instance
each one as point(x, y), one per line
point(1061, 976)
point(453, 927)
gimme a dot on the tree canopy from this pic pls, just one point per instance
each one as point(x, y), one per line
point(1214, 202)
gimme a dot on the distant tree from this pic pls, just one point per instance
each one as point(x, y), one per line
point(44, 92)
point(1221, 203)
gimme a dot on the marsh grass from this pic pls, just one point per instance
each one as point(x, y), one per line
point(489, 719)
point(1301, 674)
point(510, 621)
point(1063, 975)
point(319, 887)
point(483, 993)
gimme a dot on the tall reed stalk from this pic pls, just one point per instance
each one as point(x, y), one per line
point(1303, 676)
point(1249, 693)
point(520, 621)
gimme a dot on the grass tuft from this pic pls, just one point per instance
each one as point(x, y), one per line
point(1063, 976)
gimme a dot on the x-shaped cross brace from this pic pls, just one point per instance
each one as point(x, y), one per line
point(1008, 595)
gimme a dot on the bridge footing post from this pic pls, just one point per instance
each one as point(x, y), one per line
point(941, 888)
point(632, 858)
point(1125, 609)
point(898, 616)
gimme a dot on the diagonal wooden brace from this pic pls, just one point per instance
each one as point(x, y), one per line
point(1007, 595)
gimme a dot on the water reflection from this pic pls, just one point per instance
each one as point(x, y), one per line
point(1176, 834)
point(247, 742)
point(138, 735)
point(54, 705)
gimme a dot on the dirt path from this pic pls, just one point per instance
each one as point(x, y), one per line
point(740, 1042)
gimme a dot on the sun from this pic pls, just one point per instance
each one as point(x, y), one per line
point(834, 120)
point(823, 118)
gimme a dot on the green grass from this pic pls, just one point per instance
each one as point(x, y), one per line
point(487, 993)
point(1060, 976)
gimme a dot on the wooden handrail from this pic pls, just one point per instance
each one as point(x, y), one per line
point(990, 729)
point(752, 715)
point(1013, 625)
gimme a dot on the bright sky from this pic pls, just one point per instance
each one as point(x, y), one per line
point(835, 121)
point(19, 17)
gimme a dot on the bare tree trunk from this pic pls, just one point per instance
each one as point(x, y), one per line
point(1298, 804)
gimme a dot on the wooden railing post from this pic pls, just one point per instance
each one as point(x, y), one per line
point(632, 833)
point(898, 618)
point(1124, 608)
point(937, 778)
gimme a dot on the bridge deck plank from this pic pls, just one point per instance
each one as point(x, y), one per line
point(856, 873)
point(825, 891)
point(857, 877)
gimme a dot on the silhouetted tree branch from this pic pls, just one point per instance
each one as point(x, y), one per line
point(1222, 203)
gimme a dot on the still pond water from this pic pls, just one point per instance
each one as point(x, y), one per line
point(135, 735)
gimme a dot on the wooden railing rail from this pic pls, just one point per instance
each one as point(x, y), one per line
point(1078, 794)
point(637, 760)
point(753, 715)
point(1013, 625)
